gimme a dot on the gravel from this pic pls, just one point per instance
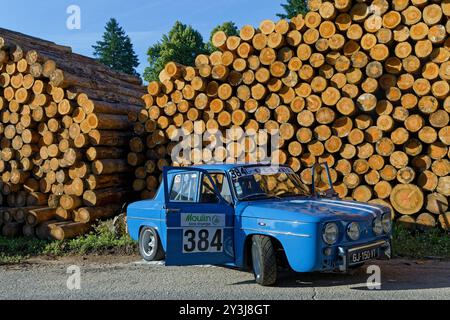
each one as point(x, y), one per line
point(127, 277)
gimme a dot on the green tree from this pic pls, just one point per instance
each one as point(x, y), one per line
point(292, 8)
point(182, 44)
point(116, 50)
point(229, 28)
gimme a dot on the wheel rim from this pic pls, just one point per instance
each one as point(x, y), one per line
point(255, 259)
point(149, 243)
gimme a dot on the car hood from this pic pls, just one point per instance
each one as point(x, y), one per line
point(312, 210)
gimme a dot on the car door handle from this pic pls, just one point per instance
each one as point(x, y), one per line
point(173, 210)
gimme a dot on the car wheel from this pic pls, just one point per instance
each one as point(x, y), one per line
point(150, 246)
point(264, 261)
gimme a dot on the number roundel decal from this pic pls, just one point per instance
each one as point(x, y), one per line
point(202, 240)
point(202, 232)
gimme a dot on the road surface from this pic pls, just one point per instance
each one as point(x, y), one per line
point(128, 277)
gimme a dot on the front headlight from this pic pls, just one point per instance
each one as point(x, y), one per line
point(330, 233)
point(386, 222)
point(377, 226)
point(353, 231)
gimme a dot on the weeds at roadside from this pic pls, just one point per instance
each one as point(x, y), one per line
point(102, 240)
point(419, 244)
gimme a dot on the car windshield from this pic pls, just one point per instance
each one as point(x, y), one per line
point(252, 183)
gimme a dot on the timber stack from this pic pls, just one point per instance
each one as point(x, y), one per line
point(64, 138)
point(361, 85)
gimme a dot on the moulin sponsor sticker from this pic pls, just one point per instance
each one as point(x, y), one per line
point(202, 220)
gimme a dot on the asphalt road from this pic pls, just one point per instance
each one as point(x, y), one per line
point(130, 278)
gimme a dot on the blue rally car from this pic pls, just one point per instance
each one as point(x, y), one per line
point(259, 217)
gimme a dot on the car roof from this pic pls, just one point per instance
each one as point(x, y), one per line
point(229, 166)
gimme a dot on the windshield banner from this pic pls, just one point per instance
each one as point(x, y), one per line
point(239, 172)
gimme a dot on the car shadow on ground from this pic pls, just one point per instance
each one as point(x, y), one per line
point(396, 276)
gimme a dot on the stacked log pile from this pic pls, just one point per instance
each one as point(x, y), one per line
point(64, 138)
point(361, 85)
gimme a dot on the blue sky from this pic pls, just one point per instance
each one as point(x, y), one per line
point(145, 21)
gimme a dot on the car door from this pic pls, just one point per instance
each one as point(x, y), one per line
point(199, 227)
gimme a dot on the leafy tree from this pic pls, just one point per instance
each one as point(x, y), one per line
point(116, 50)
point(292, 8)
point(229, 28)
point(182, 44)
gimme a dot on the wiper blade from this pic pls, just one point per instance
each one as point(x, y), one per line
point(249, 196)
point(289, 194)
point(256, 195)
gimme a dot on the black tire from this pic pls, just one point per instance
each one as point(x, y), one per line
point(264, 262)
point(150, 246)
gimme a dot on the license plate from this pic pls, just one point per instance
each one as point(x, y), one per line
point(358, 256)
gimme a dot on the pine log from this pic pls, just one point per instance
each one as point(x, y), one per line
point(407, 198)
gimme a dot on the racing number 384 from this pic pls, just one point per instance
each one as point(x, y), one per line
point(202, 240)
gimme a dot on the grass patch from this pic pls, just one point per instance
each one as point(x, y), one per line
point(102, 240)
point(421, 243)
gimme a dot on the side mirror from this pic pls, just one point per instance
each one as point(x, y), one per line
point(330, 193)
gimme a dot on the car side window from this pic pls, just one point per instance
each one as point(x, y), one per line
point(184, 187)
point(225, 190)
point(208, 195)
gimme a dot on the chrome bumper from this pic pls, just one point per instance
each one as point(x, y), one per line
point(385, 252)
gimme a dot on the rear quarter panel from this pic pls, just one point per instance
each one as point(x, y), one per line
point(147, 213)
